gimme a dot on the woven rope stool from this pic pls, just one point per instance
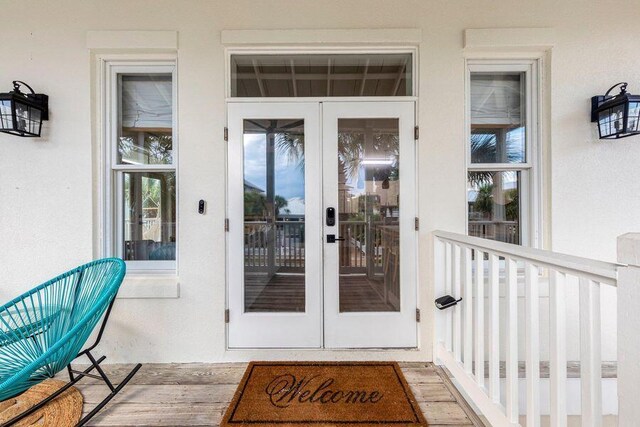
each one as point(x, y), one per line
point(63, 411)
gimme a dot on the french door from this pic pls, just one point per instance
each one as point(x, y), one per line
point(322, 244)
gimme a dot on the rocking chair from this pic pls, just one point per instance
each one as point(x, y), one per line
point(45, 329)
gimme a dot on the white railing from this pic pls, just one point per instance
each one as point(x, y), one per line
point(504, 231)
point(470, 267)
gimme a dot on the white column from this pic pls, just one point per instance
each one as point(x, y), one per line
point(628, 327)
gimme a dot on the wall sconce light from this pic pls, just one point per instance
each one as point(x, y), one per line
point(22, 114)
point(618, 116)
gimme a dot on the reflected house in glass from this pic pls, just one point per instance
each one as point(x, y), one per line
point(368, 208)
point(250, 188)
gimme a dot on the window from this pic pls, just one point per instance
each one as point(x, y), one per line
point(502, 151)
point(141, 166)
point(321, 75)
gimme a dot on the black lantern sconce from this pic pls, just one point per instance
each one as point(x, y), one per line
point(22, 114)
point(618, 116)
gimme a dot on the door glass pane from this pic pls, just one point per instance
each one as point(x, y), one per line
point(498, 113)
point(299, 75)
point(369, 212)
point(494, 205)
point(149, 216)
point(274, 214)
point(146, 119)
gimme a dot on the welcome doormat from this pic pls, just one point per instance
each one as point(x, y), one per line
point(323, 394)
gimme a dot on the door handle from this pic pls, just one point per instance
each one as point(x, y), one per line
point(331, 238)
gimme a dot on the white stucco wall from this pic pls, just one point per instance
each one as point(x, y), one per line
point(629, 289)
point(47, 190)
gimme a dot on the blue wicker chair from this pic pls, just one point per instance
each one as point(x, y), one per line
point(45, 329)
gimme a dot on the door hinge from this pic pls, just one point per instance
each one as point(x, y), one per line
point(226, 316)
point(416, 223)
point(226, 224)
point(416, 133)
point(418, 315)
point(226, 134)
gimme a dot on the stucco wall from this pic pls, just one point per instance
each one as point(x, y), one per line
point(46, 184)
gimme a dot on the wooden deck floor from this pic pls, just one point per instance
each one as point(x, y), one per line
point(286, 293)
point(198, 395)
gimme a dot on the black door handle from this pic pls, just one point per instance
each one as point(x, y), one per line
point(331, 238)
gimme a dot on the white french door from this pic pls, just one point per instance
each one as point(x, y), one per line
point(369, 179)
point(275, 258)
point(321, 225)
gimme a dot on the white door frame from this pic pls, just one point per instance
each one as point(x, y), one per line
point(322, 325)
point(271, 330)
point(372, 329)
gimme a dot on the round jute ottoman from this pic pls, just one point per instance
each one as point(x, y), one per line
point(64, 411)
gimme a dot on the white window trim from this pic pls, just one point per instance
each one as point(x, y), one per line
point(531, 185)
point(110, 207)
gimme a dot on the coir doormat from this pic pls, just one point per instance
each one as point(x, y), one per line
point(323, 394)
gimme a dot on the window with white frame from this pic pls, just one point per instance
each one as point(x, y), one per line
point(141, 164)
point(502, 151)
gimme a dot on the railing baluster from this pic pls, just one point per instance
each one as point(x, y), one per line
point(295, 243)
point(289, 250)
point(558, 348)
point(448, 261)
point(457, 310)
point(299, 246)
point(462, 331)
point(494, 327)
point(532, 331)
point(590, 357)
point(511, 284)
point(479, 333)
point(468, 311)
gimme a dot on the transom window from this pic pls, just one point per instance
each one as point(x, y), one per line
point(141, 160)
point(502, 157)
point(321, 75)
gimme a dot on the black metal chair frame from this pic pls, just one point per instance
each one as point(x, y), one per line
point(75, 376)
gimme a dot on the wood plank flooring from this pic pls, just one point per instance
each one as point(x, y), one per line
point(198, 395)
point(286, 293)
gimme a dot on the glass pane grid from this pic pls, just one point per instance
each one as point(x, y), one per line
point(633, 124)
point(611, 120)
point(27, 118)
point(6, 119)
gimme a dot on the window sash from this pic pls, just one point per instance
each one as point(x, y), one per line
point(114, 172)
point(529, 201)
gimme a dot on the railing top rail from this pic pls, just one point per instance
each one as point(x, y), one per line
point(483, 222)
point(606, 272)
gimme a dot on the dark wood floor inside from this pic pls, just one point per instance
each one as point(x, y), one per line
point(286, 293)
point(198, 395)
